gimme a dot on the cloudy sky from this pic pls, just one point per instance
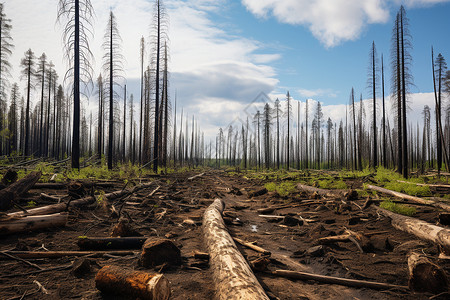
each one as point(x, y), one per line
point(224, 53)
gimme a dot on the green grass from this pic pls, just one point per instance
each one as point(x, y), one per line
point(284, 188)
point(398, 208)
point(389, 179)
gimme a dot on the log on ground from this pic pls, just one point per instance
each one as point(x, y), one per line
point(232, 276)
point(337, 280)
point(409, 197)
point(425, 276)
point(32, 223)
point(115, 280)
point(419, 228)
point(19, 188)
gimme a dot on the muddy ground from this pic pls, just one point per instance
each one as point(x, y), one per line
point(175, 212)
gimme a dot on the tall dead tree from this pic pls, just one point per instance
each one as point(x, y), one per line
point(113, 67)
point(78, 15)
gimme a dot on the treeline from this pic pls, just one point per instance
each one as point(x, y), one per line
point(125, 128)
point(269, 140)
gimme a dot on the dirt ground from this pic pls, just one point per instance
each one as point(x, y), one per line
point(175, 211)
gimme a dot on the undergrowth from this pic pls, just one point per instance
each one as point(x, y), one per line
point(398, 208)
point(283, 188)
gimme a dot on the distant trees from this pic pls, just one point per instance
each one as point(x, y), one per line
point(6, 47)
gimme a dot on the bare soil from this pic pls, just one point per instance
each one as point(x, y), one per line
point(175, 211)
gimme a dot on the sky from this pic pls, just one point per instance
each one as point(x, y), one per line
point(225, 53)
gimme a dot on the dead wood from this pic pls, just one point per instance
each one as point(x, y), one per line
point(32, 223)
point(408, 197)
point(361, 241)
point(98, 243)
point(53, 208)
point(59, 254)
point(10, 194)
point(425, 276)
point(195, 176)
point(116, 280)
point(419, 228)
point(9, 177)
point(45, 196)
point(258, 192)
point(252, 246)
point(232, 276)
point(337, 280)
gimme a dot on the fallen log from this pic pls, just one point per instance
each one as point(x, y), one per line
point(424, 276)
point(256, 193)
point(98, 243)
point(59, 207)
point(349, 195)
point(232, 276)
point(437, 186)
point(337, 280)
point(408, 197)
point(252, 246)
point(419, 228)
point(59, 254)
point(116, 280)
point(195, 176)
point(33, 223)
point(53, 208)
point(9, 194)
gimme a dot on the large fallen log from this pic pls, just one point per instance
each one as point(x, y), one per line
point(419, 228)
point(32, 223)
point(17, 189)
point(59, 207)
point(97, 243)
point(232, 276)
point(53, 208)
point(116, 280)
point(59, 254)
point(409, 197)
point(424, 276)
point(337, 280)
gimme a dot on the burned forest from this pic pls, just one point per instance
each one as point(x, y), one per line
point(136, 162)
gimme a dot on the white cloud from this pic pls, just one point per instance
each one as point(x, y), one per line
point(331, 21)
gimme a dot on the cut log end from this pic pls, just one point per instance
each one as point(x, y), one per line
point(424, 276)
point(116, 280)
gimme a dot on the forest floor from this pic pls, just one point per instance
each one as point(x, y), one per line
point(175, 211)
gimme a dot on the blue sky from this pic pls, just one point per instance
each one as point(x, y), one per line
point(223, 53)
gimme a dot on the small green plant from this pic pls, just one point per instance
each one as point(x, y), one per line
point(31, 204)
point(271, 186)
point(398, 208)
point(101, 197)
point(283, 189)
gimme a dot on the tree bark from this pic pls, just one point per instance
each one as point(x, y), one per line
point(17, 189)
point(419, 228)
point(116, 280)
point(232, 275)
point(424, 276)
point(33, 223)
